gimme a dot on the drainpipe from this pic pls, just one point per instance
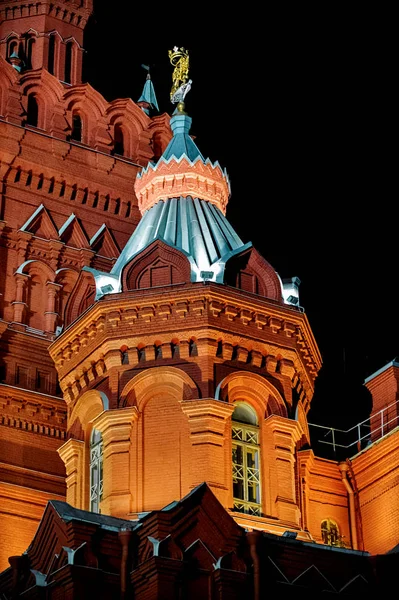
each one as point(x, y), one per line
point(253, 538)
point(125, 536)
point(344, 468)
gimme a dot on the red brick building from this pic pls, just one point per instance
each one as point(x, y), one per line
point(156, 371)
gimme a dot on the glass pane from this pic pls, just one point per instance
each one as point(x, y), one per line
point(238, 455)
point(238, 489)
point(253, 492)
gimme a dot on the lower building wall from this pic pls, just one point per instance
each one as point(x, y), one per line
point(20, 514)
point(323, 497)
point(376, 476)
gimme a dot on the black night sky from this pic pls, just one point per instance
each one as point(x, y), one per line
point(299, 109)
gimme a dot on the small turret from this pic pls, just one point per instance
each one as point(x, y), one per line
point(148, 99)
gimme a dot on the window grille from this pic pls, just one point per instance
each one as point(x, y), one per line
point(246, 462)
point(96, 470)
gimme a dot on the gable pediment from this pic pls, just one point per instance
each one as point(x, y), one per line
point(41, 225)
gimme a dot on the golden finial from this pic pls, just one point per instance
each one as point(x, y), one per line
point(181, 84)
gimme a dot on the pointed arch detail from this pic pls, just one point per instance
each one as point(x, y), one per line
point(253, 389)
point(163, 380)
point(88, 407)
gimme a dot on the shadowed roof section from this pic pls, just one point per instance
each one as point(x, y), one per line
point(68, 513)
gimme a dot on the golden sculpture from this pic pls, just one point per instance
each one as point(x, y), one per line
point(181, 84)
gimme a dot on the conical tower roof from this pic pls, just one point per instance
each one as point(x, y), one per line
point(183, 199)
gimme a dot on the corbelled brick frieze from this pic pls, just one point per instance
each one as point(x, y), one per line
point(77, 14)
point(148, 325)
point(33, 412)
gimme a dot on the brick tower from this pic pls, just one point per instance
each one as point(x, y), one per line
point(68, 159)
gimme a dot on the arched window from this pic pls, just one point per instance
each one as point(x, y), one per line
point(33, 111)
point(330, 533)
point(51, 54)
point(76, 133)
point(118, 141)
point(12, 47)
point(96, 470)
point(68, 63)
point(246, 460)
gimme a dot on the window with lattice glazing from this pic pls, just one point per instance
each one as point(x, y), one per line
point(96, 470)
point(246, 460)
point(330, 533)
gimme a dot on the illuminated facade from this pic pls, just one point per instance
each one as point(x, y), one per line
point(157, 371)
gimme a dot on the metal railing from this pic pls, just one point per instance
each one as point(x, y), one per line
point(362, 434)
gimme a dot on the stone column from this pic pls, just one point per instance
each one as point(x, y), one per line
point(19, 305)
point(207, 420)
point(72, 455)
point(115, 426)
point(279, 438)
point(50, 316)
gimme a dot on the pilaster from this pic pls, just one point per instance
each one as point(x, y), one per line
point(279, 438)
point(207, 420)
point(72, 455)
point(115, 426)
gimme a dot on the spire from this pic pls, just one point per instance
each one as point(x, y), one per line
point(148, 98)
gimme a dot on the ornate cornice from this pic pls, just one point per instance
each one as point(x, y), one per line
point(32, 412)
point(182, 178)
point(219, 319)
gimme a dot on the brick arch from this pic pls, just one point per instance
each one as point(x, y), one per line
point(127, 110)
point(55, 38)
point(35, 293)
point(30, 267)
point(132, 120)
point(48, 93)
point(88, 98)
point(253, 389)
point(158, 264)
point(161, 381)
point(92, 107)
point(87, 408)
point(161, 435)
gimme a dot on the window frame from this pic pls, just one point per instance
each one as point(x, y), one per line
point(96, 471)
point(246, 436)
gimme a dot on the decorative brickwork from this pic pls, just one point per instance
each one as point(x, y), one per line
point(169, 393)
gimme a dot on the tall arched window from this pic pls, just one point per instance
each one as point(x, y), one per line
point(76, 133)
point(246, 460)
point(68, 63)
point(51, 54)
point(32, 111)
point(96, 470)
point(118, 140)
